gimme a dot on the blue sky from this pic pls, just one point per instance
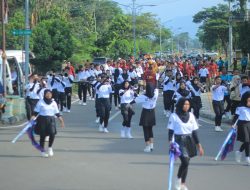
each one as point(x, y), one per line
point(180, 12)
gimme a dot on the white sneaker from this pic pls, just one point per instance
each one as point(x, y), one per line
point(93, 99)
point(184, 187)
point(101, 128)
point(178, 184)
point(147, 149)
point(105, 130)
point(123, 132)
point(248, 161)
point(44, 155)
point(65, 109)
point(128, 133)
point(238, 156)
point(68, 111)
point(47, 139)
point(50, 152)
point(97, 120)
point(80, 102)
point(151, 147)
point(224, 116)
point(168, 114)
point(84, 104)
point(218, 129)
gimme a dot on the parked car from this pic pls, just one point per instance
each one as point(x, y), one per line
point(100, 60)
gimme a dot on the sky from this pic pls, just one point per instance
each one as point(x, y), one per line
point(174, 14)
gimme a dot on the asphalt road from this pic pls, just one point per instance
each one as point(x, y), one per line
point(88, 160)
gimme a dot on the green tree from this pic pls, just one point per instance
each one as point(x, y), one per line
point(52, 44)
point(214, 26)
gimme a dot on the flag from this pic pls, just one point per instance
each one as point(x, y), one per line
point(30, 133)
point(174, 153)
point(229, 145)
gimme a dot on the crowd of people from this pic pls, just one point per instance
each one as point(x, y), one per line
point(124, 83)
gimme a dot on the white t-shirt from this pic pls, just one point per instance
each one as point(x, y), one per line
point(67, 81)
point(127, 97)
point(243, 90)
point(104, 91)
point(33, 94)
point(169, 86)
point(181, 128)
point(46, 110)
point(83, 75)
point(218, 93)
point(243, 113)
point(203, 72)
point(148, 103)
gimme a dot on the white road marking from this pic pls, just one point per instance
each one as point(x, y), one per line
point(114, 116)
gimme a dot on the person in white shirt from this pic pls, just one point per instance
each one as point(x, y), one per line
point(104, 91)
point(243, 127)
point(183, 130)
point(147, 119)
point(245, 86)
point(196, 90)
point(117, 72)
point(182, 92)
point(68, 79)
point(218, 91)
point(95, 84)
point(55, 81)
point(203, 74)
point(133, 76)
point(46, 110)
point(82, 75)
point(33, 87)
point(127, 96)
point(168, 93)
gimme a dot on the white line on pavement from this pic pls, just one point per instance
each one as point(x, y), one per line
point(15, 126)
point(114, 116)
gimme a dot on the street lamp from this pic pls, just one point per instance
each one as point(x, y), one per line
point(134, 8)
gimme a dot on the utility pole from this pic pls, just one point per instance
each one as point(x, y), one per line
point(160, 41)
point(134, 27)
point(27, 27)
point(230, 49)
point(4, 57)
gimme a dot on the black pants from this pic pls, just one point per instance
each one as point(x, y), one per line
point(97, 107)
point(245, 146)
point(183, 169)
point(218, 107)
point(196, 105)
point(127, 114)
point(168, 100)
point(117, 99)
point(148, 133)
point(82, 91)
point(28, 108)
point(61, 100)
point(55, 95)
point(243, 69)
point(234, 105)
point(68, 93)
point(104, 111)
point(228, 100)
point(51, 140)
point(33, 103)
